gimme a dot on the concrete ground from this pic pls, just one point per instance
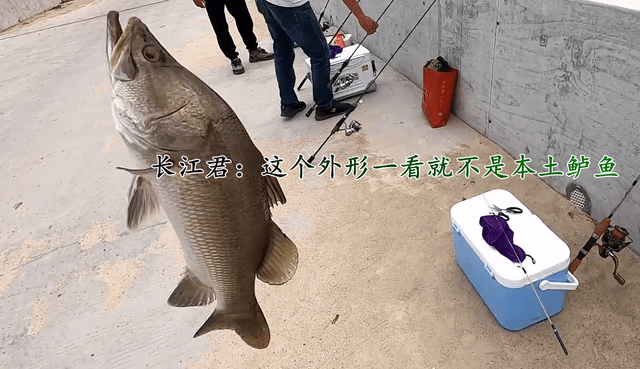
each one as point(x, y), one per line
point(377, 285)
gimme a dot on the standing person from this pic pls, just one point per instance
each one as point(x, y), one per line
point(292, 21)
point(238, 9)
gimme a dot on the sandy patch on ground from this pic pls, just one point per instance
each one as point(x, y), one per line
point(98, 233)
point(113, 142)
point(12, 259)
point(168, 244)
point(119, 277)
point(38, 317)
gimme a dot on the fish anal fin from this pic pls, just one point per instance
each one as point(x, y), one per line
point(281, 259)
point(191, 292)
point(251, 327)
point(143, 201)
point(276, 195)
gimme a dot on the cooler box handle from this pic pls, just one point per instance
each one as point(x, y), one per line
point(570, 286)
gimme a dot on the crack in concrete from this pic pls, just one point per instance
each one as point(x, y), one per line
point(126, 233)
point(44, 254)
point(76, 243)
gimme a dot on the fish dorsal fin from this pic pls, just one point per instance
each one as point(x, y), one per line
point(281, 260)
point(276, 195)
point(191, 292)
point(143, 201)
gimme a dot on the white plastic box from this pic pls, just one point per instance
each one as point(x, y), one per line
point(501, 283)
point(355, 77)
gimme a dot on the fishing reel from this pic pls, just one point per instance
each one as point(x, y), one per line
point(345, 81)
point(352, 128)
point(614, 240)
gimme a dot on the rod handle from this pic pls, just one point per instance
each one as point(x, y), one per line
point(600, 228)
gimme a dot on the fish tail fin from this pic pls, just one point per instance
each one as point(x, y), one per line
point(251, 327)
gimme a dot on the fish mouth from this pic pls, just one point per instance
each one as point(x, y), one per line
point(114, 31)
point(119, 46)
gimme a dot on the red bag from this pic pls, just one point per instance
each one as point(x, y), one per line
point(437, 95)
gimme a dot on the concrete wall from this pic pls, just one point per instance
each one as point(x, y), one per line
point(13, 12)
point(538, 77)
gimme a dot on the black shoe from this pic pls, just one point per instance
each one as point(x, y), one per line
point(335, 109)
point(236, 66)
point(289, 111)
point(260, 54)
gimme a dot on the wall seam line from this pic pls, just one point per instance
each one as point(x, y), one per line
point(493, 65)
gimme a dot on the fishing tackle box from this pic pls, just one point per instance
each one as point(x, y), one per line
point(355, 77)
point(502, 284)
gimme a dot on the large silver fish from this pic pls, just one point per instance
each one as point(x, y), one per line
point(223, 222)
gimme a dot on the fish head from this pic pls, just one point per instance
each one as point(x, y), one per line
point(150, 91)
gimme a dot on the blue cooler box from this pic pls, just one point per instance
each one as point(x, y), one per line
point(501, 283)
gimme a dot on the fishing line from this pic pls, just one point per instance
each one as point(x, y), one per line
point(323, 10)
point(330, 41)
point(346, 115)
point(346, 62)
point(599, 230)
point(81, 20)
point(343, 23)
point(553, 327)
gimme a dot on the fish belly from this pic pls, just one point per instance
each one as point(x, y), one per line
point(223, 228)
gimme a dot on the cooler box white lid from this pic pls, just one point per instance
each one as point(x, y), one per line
point(530, 233)
point(345, 54)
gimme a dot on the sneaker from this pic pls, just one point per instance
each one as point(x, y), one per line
point(335, 109)
point(259, 54)
point(236, 66)
point(289, 111)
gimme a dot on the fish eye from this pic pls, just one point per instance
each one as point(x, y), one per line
point(151, 53)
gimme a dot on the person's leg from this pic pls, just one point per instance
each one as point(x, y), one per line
point(303, 29)
point(284, 57)
point(238, 10)
point(215, 11)
point(301, 25)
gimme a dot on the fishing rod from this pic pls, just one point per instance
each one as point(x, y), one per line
point(599, 230)
point(553, 327)
point(346, 62)
point(355, 126)
point(306, 77)
point(323, 10)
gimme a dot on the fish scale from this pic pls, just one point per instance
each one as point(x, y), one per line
point(206, 259)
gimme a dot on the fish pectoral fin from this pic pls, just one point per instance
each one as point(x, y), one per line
point(252, 328)
point(276, 195)
point(281, 260)
point(138, 172)
point(191, 292)
point(143, 201)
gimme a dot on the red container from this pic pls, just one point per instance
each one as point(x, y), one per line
point(437, 95)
